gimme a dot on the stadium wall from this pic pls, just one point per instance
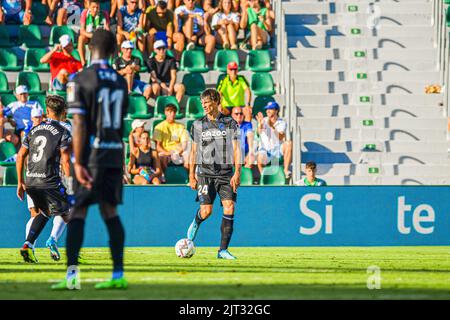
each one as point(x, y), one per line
point(266, 216)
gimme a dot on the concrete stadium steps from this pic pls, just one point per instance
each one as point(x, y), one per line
point(334, 87)
point(363, 64)
point(388, 42)
point(373, 76)
point(383, 99)
point(378, 111)
point(385, 122)
point(381, 146)
point(386, 181)
point(374, 134)
point(370, 53)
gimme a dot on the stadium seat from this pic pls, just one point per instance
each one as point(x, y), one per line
point(10, 176)
point(162, 102)
point(32, 60)
point(246, 177)
point(31, 80)
point(273, 175)
point(137, 54)
point(176, 175)
point(58, 31)
point(7, 98)
point(31, 36)
point(58, 93)
point(259, 103)
point(40, 12)
point(76, 54)
point(39, 98)
point(194, 84)
point(153, 126)
point(126, 128)
point(137, 107)
point(220, 78)
point(189, 124)
point(7, 150)
point(258, 61)
point(9, 61)
point(223, 57)
point(5, 41)
point(194, 108)
point(193, 61)
point(4, 83)
point(262, 84)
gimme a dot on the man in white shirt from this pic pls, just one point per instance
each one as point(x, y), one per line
point(273, 144)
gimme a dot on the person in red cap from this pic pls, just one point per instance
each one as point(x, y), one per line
point(235, 92)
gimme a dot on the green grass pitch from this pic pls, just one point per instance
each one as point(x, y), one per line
point(259, 273)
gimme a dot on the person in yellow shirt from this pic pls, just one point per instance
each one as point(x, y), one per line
point(171, 140)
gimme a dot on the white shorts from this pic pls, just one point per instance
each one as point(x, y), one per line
point(270, 155)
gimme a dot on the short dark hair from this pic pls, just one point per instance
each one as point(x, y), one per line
point(56, 103)
point(311, 165)
point(211, 94)
point(162, 4)
point(171, 106)
point(104, 42)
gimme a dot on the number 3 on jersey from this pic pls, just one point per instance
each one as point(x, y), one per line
point(108, 99)
point(41, 142)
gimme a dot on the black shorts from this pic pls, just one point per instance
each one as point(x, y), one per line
point(53, 201)
point(107, 187)
point(208, 187)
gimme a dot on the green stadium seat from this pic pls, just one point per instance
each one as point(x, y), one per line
point(7, 98)
point(137, 107)
point(39, 98)
point(223, 57)
point(259, 103)
point(40, 12)
point(9, 60)
point(126, 128)
point(5, 41)
point(193, 61)
point(176, 175)
point(137, 54)
point(10, 176)
point(153, 126)
point(31, 36)
point(262, 84)
point(4, 83)
point(60, 93)
point(246, 177)
point(189, 124)
point(273, 175)
point(58, 31)
point(32, 60)
point(76, 54)
point(31, 80)
point(162, 102)
point(258, 61)
point(7, 150)
point(194, 84)
point(194, 108)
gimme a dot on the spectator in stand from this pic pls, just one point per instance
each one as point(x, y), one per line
point(273, 144)
point(247, 137)
point(61, 9)
point(128, 67)
point(190, 23)
point(256, 18)
point(171, 140)
point(159, 23)
point(18, 113)
point(62, 64)
point(311, 180)
point(235, 92)
point(92, 19)
point(226, 24)
point(137, 127)
point(144, 163)
point(163, 73)
point(130, 21)
point(16, 11)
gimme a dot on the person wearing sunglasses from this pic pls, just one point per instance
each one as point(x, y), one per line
point(247, 136)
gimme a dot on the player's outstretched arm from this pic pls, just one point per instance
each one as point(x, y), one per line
point(21, 155)
point(236, 179)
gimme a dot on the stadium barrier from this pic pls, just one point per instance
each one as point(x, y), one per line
point(266, 216)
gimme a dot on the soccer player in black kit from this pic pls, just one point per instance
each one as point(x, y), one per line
point(98, 100)
point(47, 146)
point(215, 152)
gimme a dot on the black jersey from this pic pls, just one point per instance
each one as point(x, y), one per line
point(101, 95)
point(44, 143)
point(214, 139)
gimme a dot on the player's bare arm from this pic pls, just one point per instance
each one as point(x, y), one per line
point(79, 132)
point(192, 162)
point(21, 156)
point(236, 178)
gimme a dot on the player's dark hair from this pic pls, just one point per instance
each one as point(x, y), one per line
point(104, 42)
point(211, 94)
point(311, 165)
point(56, 103)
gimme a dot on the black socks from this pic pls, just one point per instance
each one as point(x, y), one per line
point(75, 234)
point(36, 228)
point(116, 241)
point(227, 230)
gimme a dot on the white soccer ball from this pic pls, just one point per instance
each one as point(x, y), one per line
point(185, 248)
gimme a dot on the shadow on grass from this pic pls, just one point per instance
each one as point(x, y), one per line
point(237, 291)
